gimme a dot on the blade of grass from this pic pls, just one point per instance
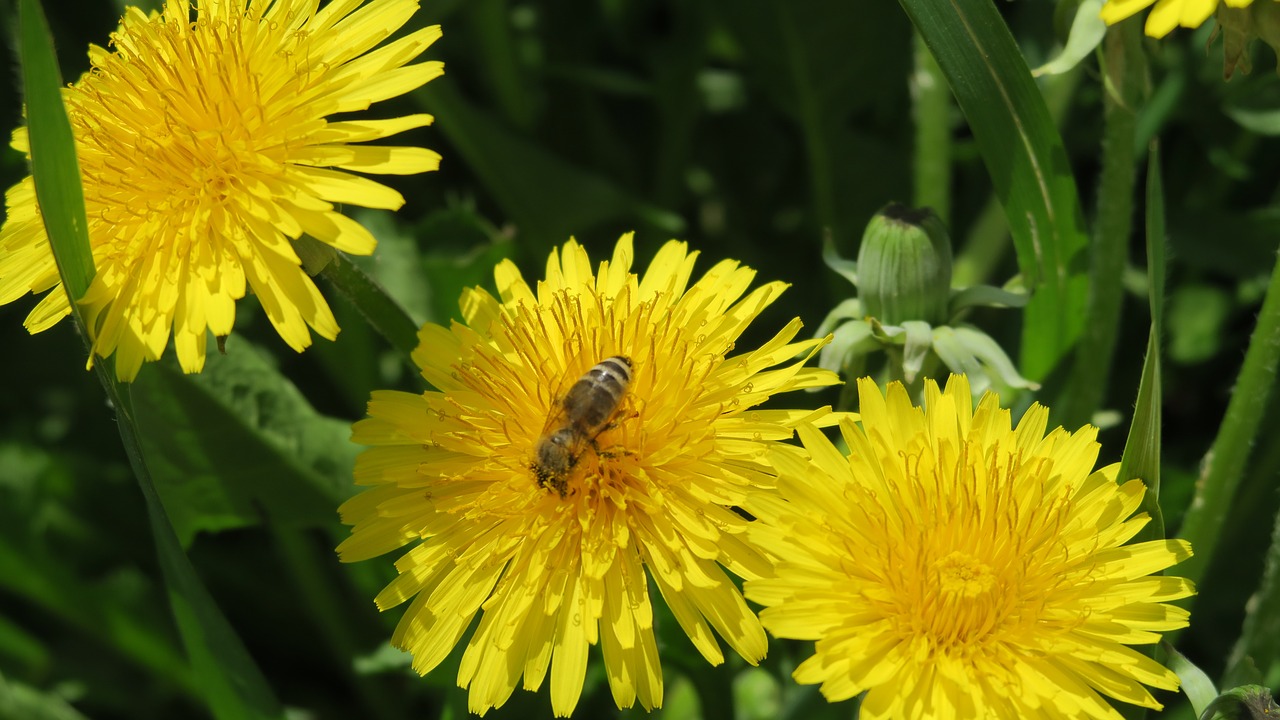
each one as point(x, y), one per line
point(1028, 166)
point(1141, 457)
point(233, 685)
point(54, 166)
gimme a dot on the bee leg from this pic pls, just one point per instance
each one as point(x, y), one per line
point(613, 451)
point(626, 414)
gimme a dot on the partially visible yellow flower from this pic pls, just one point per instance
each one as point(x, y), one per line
point(205, 147)
point(1167, 14)
point(554, 567)
point(952, 566)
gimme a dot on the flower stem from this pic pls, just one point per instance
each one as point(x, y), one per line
point(1125, 70)
point(1224, 464)
point(931, 107)
point(382, 311)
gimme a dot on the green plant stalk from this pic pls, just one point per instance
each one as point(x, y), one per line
point(384, 314)
point(1223, 466)
point(1257, 642)
point(232, 684)
point(1125, 68)
point(931, 110)
point(809, 110)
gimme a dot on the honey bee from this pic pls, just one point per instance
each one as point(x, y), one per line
point(584, 413)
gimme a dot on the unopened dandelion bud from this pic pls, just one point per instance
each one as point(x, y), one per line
point(904, 266)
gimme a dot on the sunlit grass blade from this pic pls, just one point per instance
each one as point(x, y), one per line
point(53, 156)
point(1027, 162)
point(233, 685)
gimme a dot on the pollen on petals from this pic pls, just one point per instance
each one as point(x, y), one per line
point(559, 550)
point(983, 567)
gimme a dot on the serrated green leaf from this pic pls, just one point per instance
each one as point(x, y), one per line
point(1027, 162)
point(238, 444)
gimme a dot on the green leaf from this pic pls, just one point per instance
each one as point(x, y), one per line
point(238, 444)
point(1087, 31)
point(233, 685)
point(1247, 702)
point(1141, 457)
point(21, 649)
point(452, 271)
point(1264, 121)
point(1256, 651)
point(382, 311)
point(22, 702)
point(53, 153)
point(1027, 162)
point(1196, 685)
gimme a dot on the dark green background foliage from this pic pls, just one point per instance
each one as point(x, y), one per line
point(748, 128)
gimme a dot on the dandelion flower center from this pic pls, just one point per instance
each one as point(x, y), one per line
point(206, 147)
point(953, 565)
point(556, 563)
point(963, 577)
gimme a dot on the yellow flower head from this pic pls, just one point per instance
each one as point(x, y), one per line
point(954, 567)
point(558, 562)
point(1167, 14)
point(204, 149)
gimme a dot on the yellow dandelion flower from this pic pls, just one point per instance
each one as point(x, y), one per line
point(556, 562)
point(954, 567)
point(204, 148)
point(1167, 14)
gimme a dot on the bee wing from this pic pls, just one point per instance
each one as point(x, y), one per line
point(558, 412)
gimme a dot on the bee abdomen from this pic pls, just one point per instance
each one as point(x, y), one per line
point(594, 398)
